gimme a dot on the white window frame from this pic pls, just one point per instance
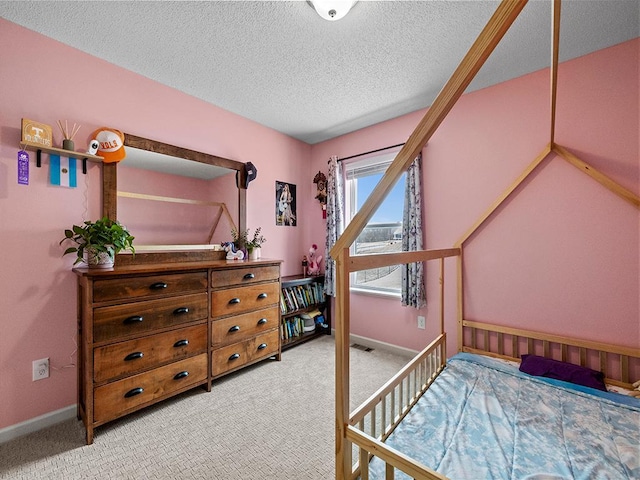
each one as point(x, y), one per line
point(356, 169)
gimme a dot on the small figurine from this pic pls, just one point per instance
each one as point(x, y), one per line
point(232, 253)
point(314, 262)
point(305, 264)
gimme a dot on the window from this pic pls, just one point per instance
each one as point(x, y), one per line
point(383, 232)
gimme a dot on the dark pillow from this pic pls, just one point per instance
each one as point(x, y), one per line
point(547, 367)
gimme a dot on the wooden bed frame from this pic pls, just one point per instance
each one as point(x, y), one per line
point(373, 421)
point(361, 434)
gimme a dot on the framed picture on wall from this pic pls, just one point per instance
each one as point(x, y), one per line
point(285, 204)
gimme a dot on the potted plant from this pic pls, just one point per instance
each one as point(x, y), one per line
point(253, 246)
point(98, 242)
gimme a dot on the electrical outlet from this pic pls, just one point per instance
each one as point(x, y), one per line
point(421, 322)
point(40, 369)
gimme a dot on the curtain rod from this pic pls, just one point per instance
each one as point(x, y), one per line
point(372, 151)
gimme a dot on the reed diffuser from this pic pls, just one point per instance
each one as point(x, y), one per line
point(67, 138)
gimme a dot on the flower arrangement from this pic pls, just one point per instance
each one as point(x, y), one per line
point(241, 239)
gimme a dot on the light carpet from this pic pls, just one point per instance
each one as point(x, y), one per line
point(273, 420)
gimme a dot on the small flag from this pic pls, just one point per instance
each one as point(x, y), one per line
point(63, 171)
point(23, 168)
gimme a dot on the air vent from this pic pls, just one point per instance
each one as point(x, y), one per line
point(357, 346)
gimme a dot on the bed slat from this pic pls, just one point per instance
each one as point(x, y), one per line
point(389, 472)
point(364, 461)
point(624, 368)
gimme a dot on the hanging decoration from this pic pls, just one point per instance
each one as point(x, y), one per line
point(321, 184)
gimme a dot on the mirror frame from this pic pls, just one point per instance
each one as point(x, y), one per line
point(110, 173)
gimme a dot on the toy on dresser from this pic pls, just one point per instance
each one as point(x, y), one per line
point(313, 261)
point(232, 252)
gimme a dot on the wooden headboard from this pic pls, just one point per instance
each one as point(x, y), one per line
point(620, 365)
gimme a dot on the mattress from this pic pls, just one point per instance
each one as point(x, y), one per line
point(484, 419)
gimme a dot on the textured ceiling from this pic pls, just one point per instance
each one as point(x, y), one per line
point(280, 64)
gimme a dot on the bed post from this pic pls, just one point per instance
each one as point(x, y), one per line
point(442, 304)
point(342, 373)
point(460, 286)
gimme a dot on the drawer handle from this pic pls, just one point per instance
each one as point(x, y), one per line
point(133, 392)
point(133, 356)
point(262, 295)
point(234, 301)
point(235, 328)
point(262, 321)
point(132, 320)
point(249, 276)
point(235, 356)
point(158, 286)
point(181, 343)
point(180, 375)
point(262, 346)
point(181, 311)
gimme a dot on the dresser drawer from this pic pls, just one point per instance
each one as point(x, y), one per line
point(105, 290)
point(130, 319)
point(126, 358)
point(239, 276)
point(240, 327)
point(231, 301)
point(118, 397)
point(239, 354)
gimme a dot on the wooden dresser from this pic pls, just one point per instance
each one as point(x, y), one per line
point(148, 332)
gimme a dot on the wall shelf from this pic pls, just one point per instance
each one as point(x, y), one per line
point(36, 147)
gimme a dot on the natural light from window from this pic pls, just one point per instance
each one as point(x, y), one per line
point(383, 232)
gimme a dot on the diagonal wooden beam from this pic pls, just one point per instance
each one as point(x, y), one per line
point(601, 178)
point(502, 19)
point(506, 194)
point(555, 48)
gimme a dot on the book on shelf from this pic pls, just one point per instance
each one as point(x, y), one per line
point(299, 297)
point(291, 327)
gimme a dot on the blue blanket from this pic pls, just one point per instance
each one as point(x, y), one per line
point(483, 419)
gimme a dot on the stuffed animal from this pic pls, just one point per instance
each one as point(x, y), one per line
point(313, 267)
point(232, 252)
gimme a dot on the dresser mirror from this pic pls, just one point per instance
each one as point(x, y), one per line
point(172, 198)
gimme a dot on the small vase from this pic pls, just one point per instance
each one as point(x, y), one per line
point(254, 254)
point(68, 144)
point(96, 259)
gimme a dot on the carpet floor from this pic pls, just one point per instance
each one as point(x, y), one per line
point(273, 420)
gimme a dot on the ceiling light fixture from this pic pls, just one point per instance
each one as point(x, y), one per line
point(332, 9)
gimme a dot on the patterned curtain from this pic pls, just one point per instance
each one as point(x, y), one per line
point(335, 221)
point(413, 291)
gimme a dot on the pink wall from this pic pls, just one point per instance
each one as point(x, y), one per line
point(44, 80)
point(563, 254)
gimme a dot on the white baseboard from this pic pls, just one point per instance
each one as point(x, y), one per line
point(37, 423)
point(370, 342)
